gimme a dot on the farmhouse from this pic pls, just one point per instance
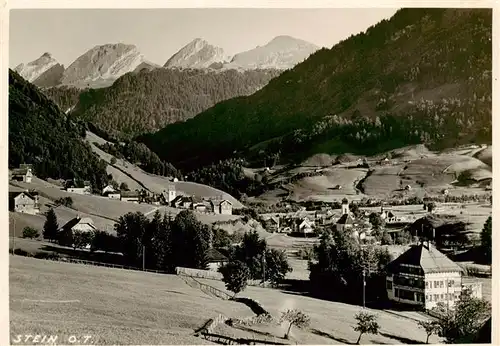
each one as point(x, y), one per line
point(85, 190)
point(305, 226)
point(272, 224)
point(23, 174)
point(423, 276)
point(201, 205)
point(183, 202)
point(108, 189)
point(130, 196)
point(215, 259)
point(24, 202)
point(221, 206)
point(79, 224)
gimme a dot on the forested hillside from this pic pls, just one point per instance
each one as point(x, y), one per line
point(41, 135)
point(149, 100)
point(424, 76)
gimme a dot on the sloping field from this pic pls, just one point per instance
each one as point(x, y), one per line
point(331, 322)
point(486, 156)
point(319, 160)
point(90, 204)
point(156, 183)
point(121, 177)
point(113, 306)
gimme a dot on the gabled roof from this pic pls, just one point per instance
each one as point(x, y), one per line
point(130, 194)
point(212, 255)
point(13, 195)
point(429, 259)
point(77, 220)
point(346, 219)
point(19, 171)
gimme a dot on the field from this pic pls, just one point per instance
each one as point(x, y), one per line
point(413, 166)
point(331, 322)
point(152, 182)
point(115, 306)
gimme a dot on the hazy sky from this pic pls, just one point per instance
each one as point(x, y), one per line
point(159, 33)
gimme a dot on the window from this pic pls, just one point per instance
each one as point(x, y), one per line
point(426, 284)
point(389, 285)
point(442, 296)
point(441, 284)
point(436, 297)
point(436, 283)
point(430, 297)
point(451, 283)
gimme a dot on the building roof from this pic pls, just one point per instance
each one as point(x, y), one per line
point(77, 220)
point(212, 255)
point(13, 195)
point(428, 258)
point(130, 194)
point(19, 171)
point(346, 219)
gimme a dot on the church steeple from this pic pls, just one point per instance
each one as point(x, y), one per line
point(345, 206)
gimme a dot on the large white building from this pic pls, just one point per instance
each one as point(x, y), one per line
point(424, 276)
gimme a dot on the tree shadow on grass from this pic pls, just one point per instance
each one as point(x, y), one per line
point(402, 339)
point(330, 336)
point(251, 330)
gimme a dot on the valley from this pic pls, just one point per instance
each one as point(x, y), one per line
point(284, 194)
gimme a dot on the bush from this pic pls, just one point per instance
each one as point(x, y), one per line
point(30, 232)
point(21, 252)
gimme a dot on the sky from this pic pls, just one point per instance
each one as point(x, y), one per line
point(160, 33)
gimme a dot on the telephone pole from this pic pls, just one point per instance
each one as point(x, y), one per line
point(143, 258)
point(364, 284)
point(264, 269)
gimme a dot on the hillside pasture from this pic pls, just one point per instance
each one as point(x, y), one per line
point(331, 322)
point(485, 155)
point(113, 306)
point(156, 183)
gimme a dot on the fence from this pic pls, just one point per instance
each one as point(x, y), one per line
point(211, 275)
point(210, 290)
point(103, 264)
point(198, 273)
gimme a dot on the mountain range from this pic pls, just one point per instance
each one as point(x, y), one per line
point(422, 77)
point(102, 65)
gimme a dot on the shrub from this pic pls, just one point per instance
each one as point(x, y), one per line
point(30, 232)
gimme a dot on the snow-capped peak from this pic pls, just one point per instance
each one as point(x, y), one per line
point(282, 52)
point(106, 62)
point(32, 70)
point(196, 54)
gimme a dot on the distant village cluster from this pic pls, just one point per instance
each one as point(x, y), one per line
point(27, 201)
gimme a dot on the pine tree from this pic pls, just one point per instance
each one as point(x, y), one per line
point(51, 226)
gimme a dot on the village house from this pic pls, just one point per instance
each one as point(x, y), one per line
point(110, 192)
point(424, 276)
point(22, 174)
point(182, 202)
point(130, 196)
point(84, 224)
point(305, 226)
point(272, 224)
point(221, 206)
point(215, 259)
point(201, 205)
point(85, 190)
point(24, 202)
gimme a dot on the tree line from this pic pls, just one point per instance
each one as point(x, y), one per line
point(309, 109)
point(41, 135)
